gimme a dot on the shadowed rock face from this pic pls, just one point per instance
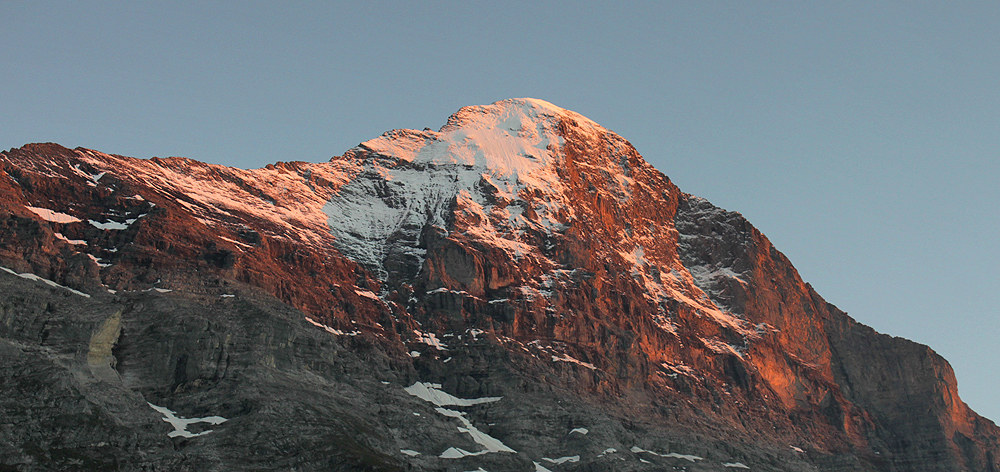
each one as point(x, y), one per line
point(521, 252)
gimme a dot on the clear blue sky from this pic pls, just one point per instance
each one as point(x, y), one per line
point(862, 137)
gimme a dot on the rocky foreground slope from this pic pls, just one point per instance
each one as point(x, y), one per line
point(519, 291)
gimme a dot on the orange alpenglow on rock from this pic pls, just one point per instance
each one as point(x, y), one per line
point(518, 288)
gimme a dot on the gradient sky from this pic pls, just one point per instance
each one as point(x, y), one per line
point(860, 136)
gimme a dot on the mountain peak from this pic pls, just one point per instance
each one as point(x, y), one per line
point(500, 168)
point(520, 256)
point(508, 137)
point(531, 108)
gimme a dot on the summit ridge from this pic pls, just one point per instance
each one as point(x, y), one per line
point(509, 137)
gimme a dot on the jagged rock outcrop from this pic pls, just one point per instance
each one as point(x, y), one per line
point(519, 290)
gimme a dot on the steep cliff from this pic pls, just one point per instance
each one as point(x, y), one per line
point(519, 290)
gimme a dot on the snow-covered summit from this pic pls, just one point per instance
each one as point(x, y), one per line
point(514, 136)
point(485, 156)
point(532, 108)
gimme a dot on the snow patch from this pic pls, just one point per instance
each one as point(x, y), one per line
point(431, 392)
point(679, 369)
point(489, 443)
point(180, 424)
point(409, 452)
point(113, 225)
point(53, 216)
point(692, 458)
point(97, 261)
point(430, 339)
point(579, 430)
point(562, 459)
point(238, 243)
point(704, 276)
point(458, 453)
point(76, 242)
point(36, 278)
point(568, 358)
point(737, 465)
point(329, 329)
point(93, 179)
point(540, 468)
point(721, 347)
point(367, 294)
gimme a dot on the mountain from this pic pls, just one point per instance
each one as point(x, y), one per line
point(518, 291)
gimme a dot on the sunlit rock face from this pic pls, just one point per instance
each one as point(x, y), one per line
point(519, 290)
